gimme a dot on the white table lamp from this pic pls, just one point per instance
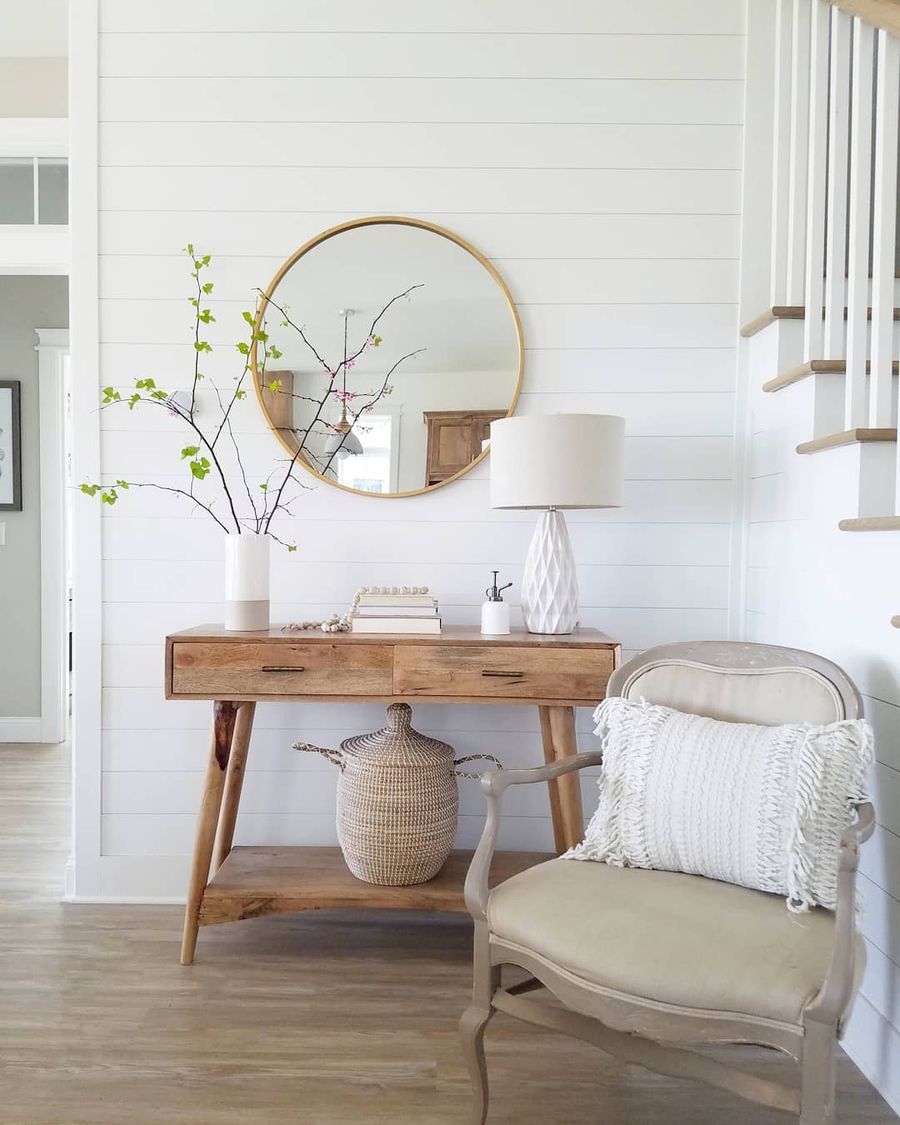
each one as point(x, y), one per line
point(551, 462)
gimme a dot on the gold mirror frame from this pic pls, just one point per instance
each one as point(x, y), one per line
point(353, 224)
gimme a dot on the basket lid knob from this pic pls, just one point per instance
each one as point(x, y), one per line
point(399, 716)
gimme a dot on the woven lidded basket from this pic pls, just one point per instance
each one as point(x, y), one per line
point(397, 801)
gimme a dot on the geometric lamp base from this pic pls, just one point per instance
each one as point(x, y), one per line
point(549, 584)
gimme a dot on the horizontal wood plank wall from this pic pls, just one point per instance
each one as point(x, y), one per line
point(593, 153)
point(812, 586)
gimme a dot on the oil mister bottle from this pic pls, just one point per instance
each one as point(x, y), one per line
point(495, 611)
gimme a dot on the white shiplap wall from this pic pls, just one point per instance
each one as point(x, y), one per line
point(592, 151)
point(812, 586)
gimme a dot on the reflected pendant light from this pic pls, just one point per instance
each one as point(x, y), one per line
point(343, 442)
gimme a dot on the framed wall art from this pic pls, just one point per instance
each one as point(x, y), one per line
point(10, 446)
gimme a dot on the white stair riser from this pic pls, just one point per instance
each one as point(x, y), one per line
point(813, 407)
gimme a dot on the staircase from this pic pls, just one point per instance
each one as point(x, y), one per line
point(826, 263)
point(817, 397)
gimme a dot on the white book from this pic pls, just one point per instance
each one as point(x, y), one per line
point(395, 625)
point(396, 611)
point(397, 599)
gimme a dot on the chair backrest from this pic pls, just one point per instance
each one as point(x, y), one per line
point(740, 683)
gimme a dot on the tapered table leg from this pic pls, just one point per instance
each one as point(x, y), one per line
point(558, 735)
point(552, 786)
point(234, 781)
point(224, 715)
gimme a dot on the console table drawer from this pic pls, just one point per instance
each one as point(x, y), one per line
point(279, 669)
point(495, 672)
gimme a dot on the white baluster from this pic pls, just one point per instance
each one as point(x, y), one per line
point(884, 231)
point(781, 152)
point(814, 287)
point(836, 222)
point(858, 252)
point(796, 255)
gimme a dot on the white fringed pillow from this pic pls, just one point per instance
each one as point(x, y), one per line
point(763, 807)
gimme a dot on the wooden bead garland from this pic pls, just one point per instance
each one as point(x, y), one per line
point(341, 624)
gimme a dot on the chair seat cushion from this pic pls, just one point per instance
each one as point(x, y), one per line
point(677, 939)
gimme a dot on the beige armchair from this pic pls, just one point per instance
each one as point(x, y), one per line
point(643, 960)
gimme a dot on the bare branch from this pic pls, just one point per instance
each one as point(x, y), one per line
point(298, 330)
point(178, 492)
point(196, 342)
point(369, 405)
point(353, 358)
point(280, 491)
point(237, 451)
point(205, 442)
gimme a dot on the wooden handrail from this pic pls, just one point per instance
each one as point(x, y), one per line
point(879, 13)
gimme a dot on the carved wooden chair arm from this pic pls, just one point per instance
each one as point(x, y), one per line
point(829, 1005)
point(858, 832)
point(494, 784)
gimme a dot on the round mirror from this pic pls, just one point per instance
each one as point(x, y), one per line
point(392, 346)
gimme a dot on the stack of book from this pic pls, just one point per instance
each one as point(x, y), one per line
point(396, 613)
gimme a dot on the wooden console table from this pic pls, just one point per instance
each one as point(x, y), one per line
point(238, 670)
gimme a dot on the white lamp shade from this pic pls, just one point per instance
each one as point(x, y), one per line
point(557, 461)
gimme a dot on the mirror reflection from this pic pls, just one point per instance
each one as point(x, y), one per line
point(399, 346)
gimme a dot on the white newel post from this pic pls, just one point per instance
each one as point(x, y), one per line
point(247, 582)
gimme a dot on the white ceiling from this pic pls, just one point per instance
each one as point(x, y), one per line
point(34, 28)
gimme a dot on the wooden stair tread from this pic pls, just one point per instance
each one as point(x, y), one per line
point(815, 367)
point(788, 312)
point(871, 523)
point(880, 13)
point(776, 312)
point(254, 881)
point(858, 436)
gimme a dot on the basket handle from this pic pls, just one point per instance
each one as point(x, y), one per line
point(475, 758)
point(336, 757)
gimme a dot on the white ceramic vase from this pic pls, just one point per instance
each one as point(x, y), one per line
point(247, 582)
point(550, 585)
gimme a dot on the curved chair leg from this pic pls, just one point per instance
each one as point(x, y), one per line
point(471, 1031)
point(486, 981)
point(817, 1075)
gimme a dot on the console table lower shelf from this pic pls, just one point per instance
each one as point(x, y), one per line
point(254, 881)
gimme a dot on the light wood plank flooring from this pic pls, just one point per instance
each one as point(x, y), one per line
point(321, 1019)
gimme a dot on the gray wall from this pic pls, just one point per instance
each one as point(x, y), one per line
point(26, 303)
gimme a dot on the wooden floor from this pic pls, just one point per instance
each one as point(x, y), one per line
point(316, 1018)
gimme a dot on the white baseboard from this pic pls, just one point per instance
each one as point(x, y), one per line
point(120, 900)
point(132, 880)
point(69, 879)
point(27, 728)
point(873, 1043)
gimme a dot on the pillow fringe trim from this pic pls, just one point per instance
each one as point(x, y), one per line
point(622, 783)
point(854, 745)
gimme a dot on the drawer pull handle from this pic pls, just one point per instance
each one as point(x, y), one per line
point(498, 672)
point(283, 668)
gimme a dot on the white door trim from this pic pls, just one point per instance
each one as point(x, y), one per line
point(84, 307)
point(29, 248)
point(53, 350)
point(34, 136)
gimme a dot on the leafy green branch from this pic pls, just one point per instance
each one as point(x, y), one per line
point(202, 455)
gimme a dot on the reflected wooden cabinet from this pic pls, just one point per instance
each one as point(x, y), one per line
point(279, 406)
point(455, 439)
